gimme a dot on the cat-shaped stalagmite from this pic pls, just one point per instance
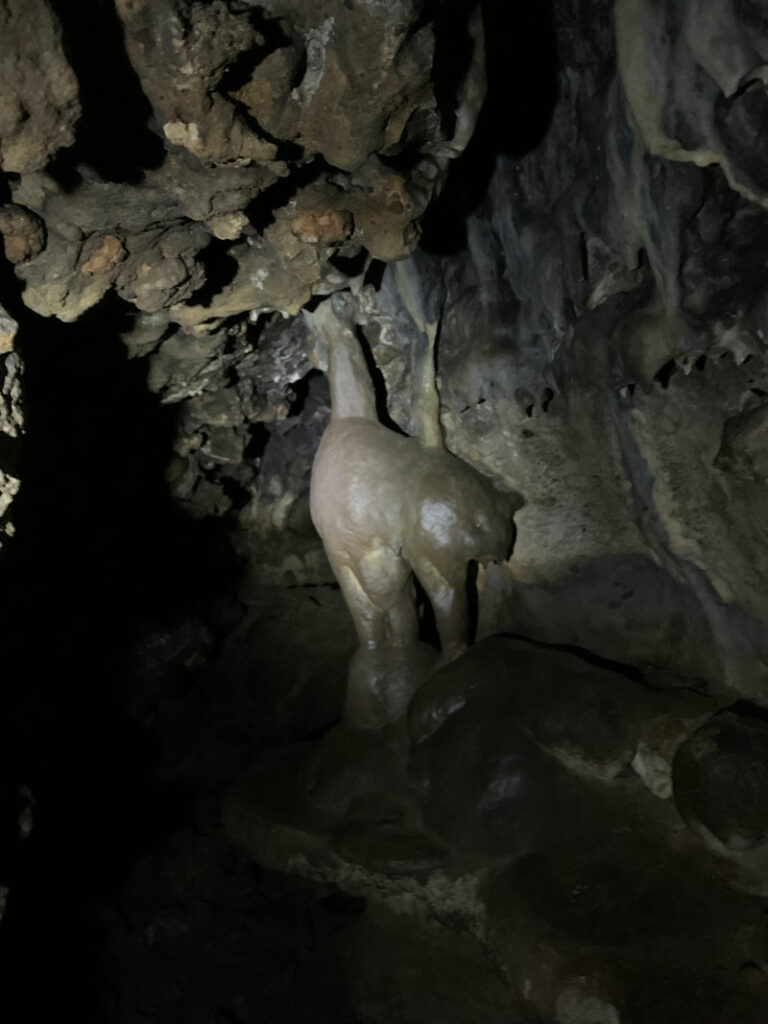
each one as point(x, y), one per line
point(386, 506)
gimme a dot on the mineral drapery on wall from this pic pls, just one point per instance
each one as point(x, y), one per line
point(631, 280)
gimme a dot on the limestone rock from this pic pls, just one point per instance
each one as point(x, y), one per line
point(23, 233)
point(351, 92)
point(589, 718)
point(8, 329)
point(100, 254)
point(714, 115)
point(720, 776)
point(323, 225)
point(181, 365)
point(11, 424)
point(745, 445)
point(11, 413)
point(586, 896)
point(488, 788)
point(161, 268)
point(182, 52)
point(574, 1006)
point(9, 488)
point(39, 104)
point(656, 751)
point(255, 106)
point(145, 332)
point(405, 970)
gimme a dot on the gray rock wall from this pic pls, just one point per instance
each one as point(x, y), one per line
point(622, 257)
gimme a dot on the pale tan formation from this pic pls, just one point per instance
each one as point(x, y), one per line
point(388, 506)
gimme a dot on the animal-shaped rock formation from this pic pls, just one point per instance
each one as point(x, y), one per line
point(388, 506)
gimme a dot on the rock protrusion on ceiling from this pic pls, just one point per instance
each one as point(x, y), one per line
point(291, 133)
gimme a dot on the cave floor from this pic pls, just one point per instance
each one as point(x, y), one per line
point(132, 902)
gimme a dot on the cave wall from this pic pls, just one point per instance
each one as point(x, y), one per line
point(594, 254)
point(613, 278)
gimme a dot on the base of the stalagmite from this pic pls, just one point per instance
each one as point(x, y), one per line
point(381, 682)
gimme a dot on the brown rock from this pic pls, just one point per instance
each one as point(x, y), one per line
point(743, 448)
point(161, 267)
point(720, 779)
point(38, 90)
point(23, 233)
point(101, 254)
point(269, 94)
point(385, 213)
point(8, 328)
point(181, 59)
point(363, 65)
point(323, 226)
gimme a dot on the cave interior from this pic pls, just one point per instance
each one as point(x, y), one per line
point(540, 234)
